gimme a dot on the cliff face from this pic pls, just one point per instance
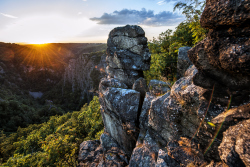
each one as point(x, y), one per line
point(85, 72)
point(202, 120)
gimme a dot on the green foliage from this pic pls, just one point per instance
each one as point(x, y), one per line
point(61, 95)
point(198, 33)
point(183, 35)
point(162, 65)
point(193, 9)
point(190, 8)
point(17, 107)
point(54, 143)
point(165, 48)
point(22, 110)
point(91, 118)
point(165, 52)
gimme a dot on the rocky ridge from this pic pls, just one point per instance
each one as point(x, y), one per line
point(190, 123)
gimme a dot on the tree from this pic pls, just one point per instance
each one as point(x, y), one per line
point(193, 9)
point(165, 48)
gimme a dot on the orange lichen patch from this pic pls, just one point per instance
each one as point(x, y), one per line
point(182, 102)
point(191, 164)
point(153, 156)
point(139, 145)
point(101, 95)
point(102, 70)
point(181, 143)
point(158, 94)
point(189, 151)
point(184, 87)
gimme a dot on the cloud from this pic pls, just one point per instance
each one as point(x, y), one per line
point(143, 17)
point(10, 16)
point(161, 2)
point(84, 0)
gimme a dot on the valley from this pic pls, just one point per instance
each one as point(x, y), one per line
point(36, 81)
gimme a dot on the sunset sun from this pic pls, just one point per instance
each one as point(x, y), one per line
point(40, 37)
point(39, 41)
point(42, 41)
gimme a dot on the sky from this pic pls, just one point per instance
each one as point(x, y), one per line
point(52, 21)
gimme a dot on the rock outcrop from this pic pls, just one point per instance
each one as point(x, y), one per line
point(235, 146)
point(127, 57)
point(103, 152)
point(223, 58)
point(190, 123)
point(183, 61)
point(127, 54)
point(122, 92)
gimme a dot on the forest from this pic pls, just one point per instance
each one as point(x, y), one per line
point(39, 133)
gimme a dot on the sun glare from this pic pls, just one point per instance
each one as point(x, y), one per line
point(39, 42)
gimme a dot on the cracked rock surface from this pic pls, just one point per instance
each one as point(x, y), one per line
point(235, 147)
point(223, 57)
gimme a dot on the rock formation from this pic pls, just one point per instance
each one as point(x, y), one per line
point(127, 57)
point(183, 61)
point(122, 91)
point(223, 58)
point(234, 148)
point(127, 54)
point(189, 123)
